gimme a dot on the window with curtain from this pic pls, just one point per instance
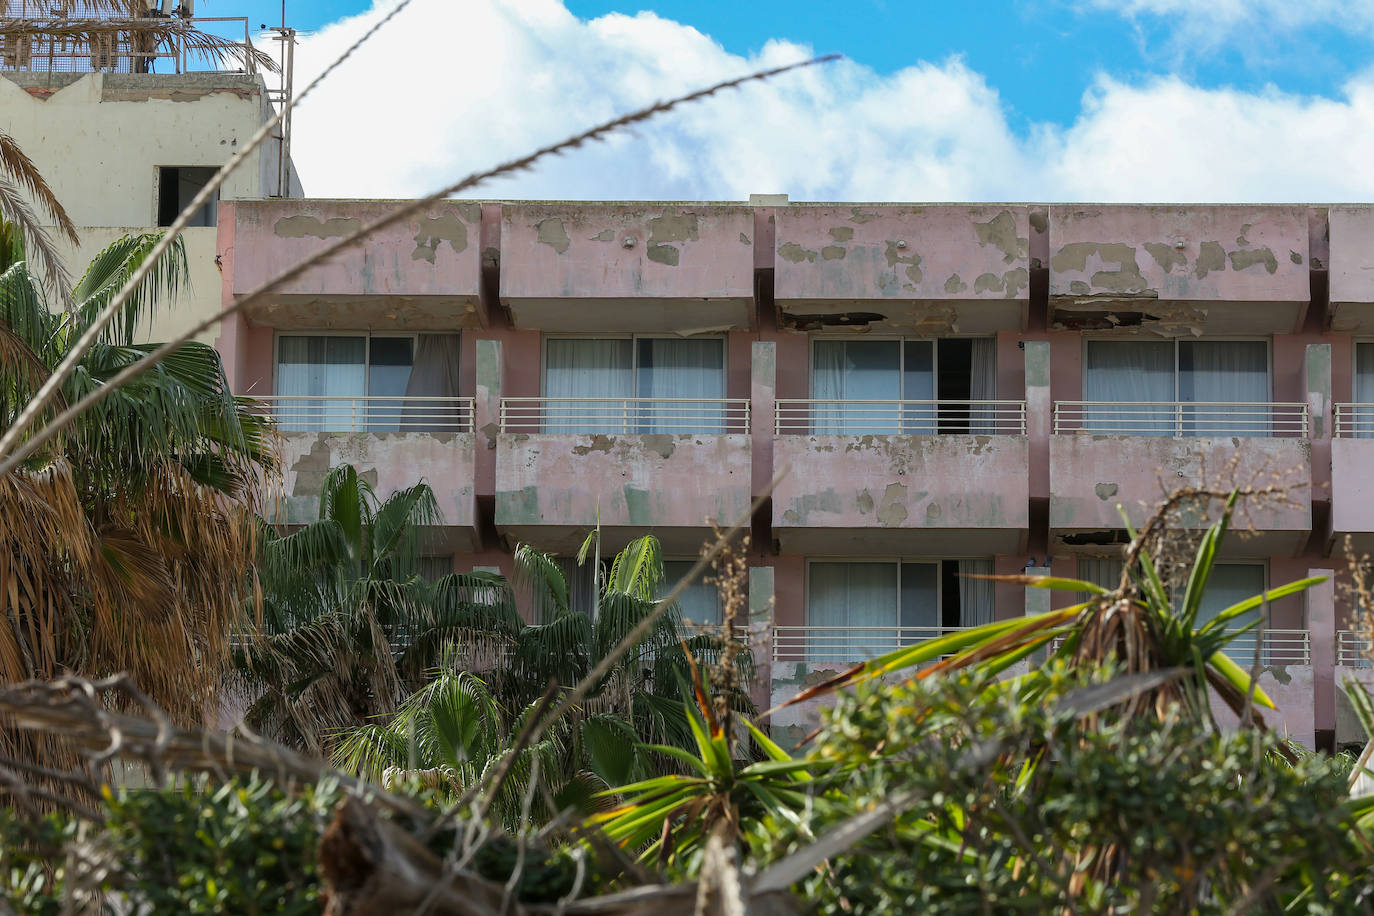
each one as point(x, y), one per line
point(1176, 388)
point(853, 377)
point(860, 609)
point(700, 603)
point(581, 580)
point(1231, 583)
point(1364, 389)
point(675, 374)
point(327, 377)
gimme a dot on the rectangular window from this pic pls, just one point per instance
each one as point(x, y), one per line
point(1177, 388)
point(343, 383)
point(881, 387)
point(1361, 420)
point(634, 385)
point(860, 609)
point(177, 186)
point(700, 603)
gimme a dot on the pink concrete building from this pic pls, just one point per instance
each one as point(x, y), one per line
point(952, 389)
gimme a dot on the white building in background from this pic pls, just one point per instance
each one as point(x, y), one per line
point(124, 148)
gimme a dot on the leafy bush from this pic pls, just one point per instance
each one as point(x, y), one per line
point(240, 847)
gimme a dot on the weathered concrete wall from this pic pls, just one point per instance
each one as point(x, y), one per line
point(551, 489)
point(921, 270)
point(1291, 689)
point(390, 462)
point(1352, 486)
point(1351, 271)
point(1348, 727)
point(421, 273)
point(627, 267)
point(99, 139)
point(1091, 474)
point(1223, 268)
point(947, 487)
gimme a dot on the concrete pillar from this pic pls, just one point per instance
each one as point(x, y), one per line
point(761, 604)
point(1321, 628)
point(486, 419)
point(1039, 413)
point(763, 386)
point(1317, 375)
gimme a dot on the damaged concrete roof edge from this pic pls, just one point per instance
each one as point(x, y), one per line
point(820, 204)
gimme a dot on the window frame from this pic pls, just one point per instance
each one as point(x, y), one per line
point(634, 337)
point(1228, 338)
point(898, 560)
point(901, 354)
point(367, 336)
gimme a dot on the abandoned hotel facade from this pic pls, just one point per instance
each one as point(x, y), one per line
point(952, 390)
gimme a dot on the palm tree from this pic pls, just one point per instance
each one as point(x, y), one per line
point(124, 541)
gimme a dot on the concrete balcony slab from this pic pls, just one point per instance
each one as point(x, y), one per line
point(424, 273)
point(681, 268)
point(552, 488)
point(1179, 269)
point(912, 269)
point(938, 495)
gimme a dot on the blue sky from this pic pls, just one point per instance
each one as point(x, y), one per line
point(1050, 99)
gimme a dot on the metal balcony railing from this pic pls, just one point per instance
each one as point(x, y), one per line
point(624, 416)
point(1355, 421)
point(370, 415)
point(846, 644)
point(1352, 650)
point(829, 417)
point(1280, 647)
point(93, 41)
point(1181, 418)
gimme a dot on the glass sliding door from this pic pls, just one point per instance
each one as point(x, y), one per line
point(1231, 583)
point(700, 603)
point(855, 371)
point(1362, 420)
point(599, 371)
point(679, 375)
point(321, 381)
point(854, 608)
point(1137, 375)
point(1221, 377)
point(388, 376)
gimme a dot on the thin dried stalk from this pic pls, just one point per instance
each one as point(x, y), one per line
point(8, 440)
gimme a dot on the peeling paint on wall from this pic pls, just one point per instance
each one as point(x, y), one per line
point(299, 227)
point(552, 233)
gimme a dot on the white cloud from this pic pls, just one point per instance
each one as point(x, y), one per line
point(1253, 16)
point(450, 88)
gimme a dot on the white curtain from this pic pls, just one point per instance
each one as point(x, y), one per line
point(1103, 571)
point(599, 371)
point(434, 375)
point(1231, 583)
point(672, 368)
point(1118, 371)
point(1224, 371)
point(700, 603)
point(983, 385)
point(856, 370)
point(975, 595)
point(850, 597)
point(581, 582)
point(321, 366)
point(1364, 389)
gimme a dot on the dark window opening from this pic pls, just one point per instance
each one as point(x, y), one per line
point(950, 614)
point(176, 186)
point(955, 383)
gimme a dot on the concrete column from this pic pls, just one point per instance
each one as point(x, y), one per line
point(486, 419)
point(761, 604)
point(1039, 411)
point(1317, 375)
point(1321, 628)
point(763, 386)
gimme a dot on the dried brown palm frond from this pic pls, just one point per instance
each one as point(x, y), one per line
point(159, 35)
point(38, 244)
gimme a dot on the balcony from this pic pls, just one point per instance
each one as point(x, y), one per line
point(931, 268)
point(1104, 454)
point(901, 477)
point(1352, 650)
point(1352, 455)
point(631, 465)
point(643, 268)
point(423, 273)
point(393, 442)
